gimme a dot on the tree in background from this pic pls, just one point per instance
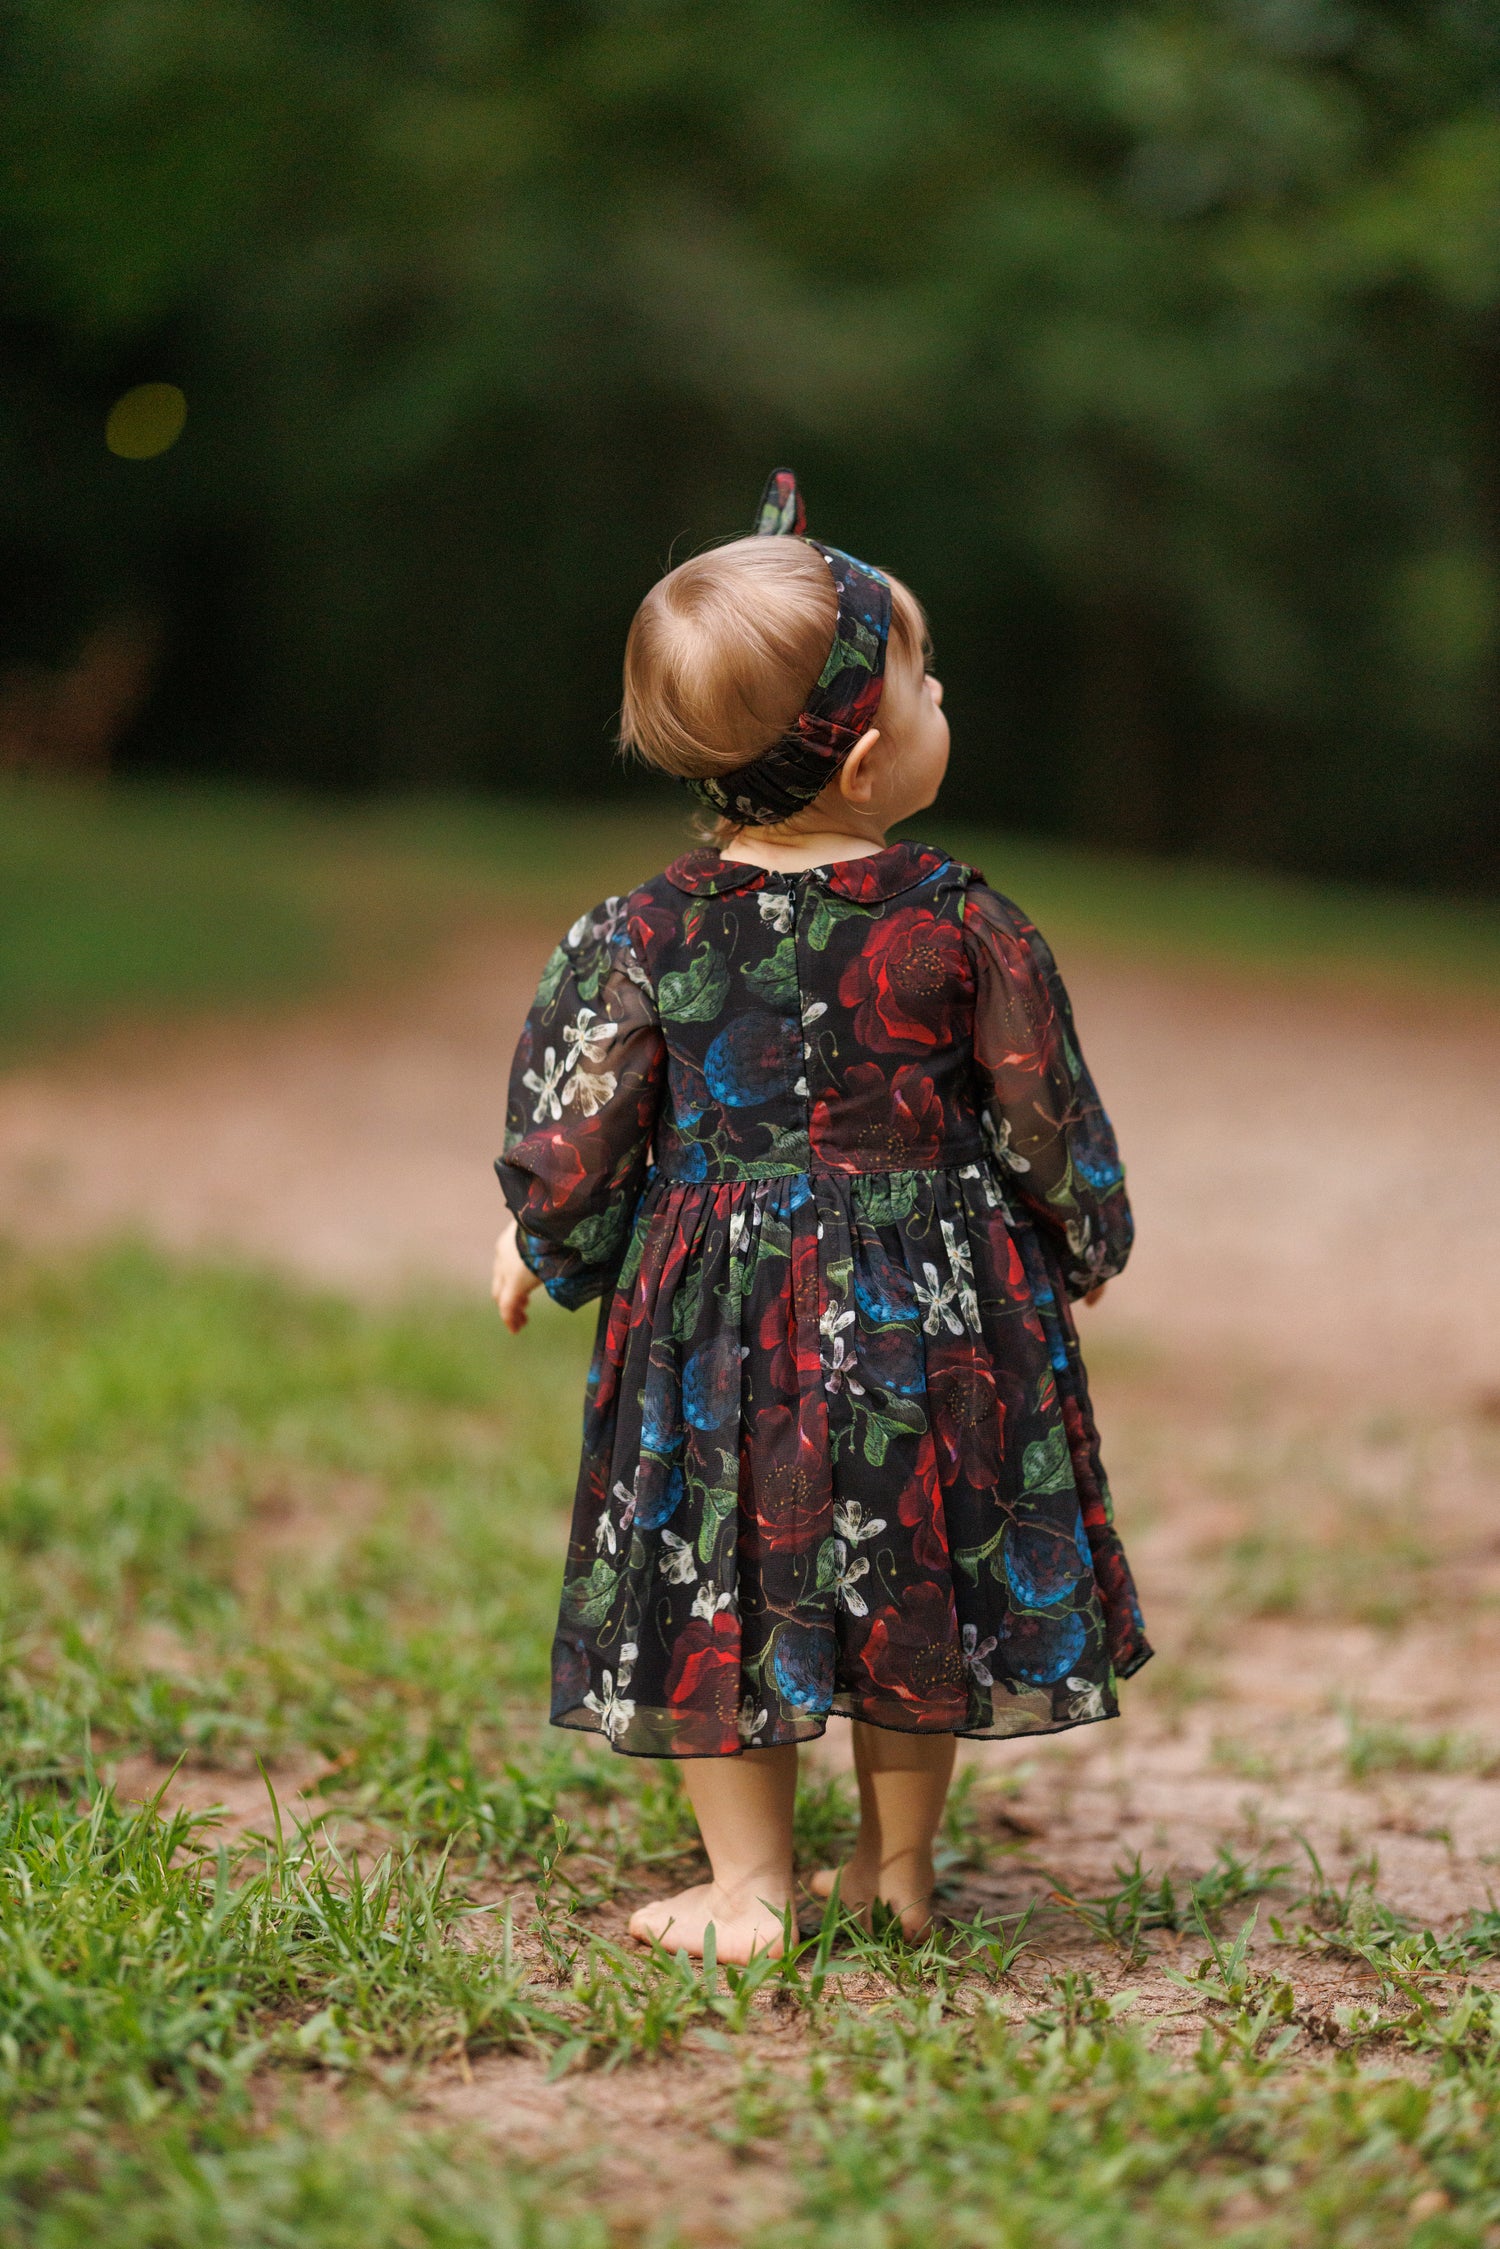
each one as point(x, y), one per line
point(1156, 344)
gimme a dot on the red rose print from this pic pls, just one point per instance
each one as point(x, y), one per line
point(968, 1418)
point(705, 1668)
point(920, 1510)
point(914, 1659)
point(828, 1349)
point(784, 1507)
point(909, 981)
point(888, 1120)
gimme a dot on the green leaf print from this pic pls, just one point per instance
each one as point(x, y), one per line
point(877, 1442)
point(828, 1564)
point(717, 1502)
point(1046, 1465)
point(775, 977)
point(552, 977)
point(969, 1558)
point(593, 967)
point(857, 646)
point(694, 994)
point(825, 917)
point(686, 1304)
point(588, 1598)
point(883, 1197)
point(597, 1237)
point(633, 1254)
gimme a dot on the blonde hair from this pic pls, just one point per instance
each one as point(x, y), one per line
point(725, 650)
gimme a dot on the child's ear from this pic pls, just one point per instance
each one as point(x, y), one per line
point(856, 774)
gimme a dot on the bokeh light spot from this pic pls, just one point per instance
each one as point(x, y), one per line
point(145, 421)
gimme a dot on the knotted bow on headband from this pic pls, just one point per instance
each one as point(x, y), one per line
point(841, 706)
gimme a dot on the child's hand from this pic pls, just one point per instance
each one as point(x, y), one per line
point(512, 1280)
point(1092, 1297)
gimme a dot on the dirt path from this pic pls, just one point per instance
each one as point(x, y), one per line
point(1317, 1198)
point(1315, 1180)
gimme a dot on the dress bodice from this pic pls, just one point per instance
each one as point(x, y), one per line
point(814, 1022)
point(722, 1024)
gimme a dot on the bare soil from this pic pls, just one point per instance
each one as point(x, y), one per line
point(1314, 1171)
point(1298, 1379)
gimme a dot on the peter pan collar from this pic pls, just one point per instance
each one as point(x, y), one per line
point(868, 881)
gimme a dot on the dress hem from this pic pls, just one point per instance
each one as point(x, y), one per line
point(571, 1722)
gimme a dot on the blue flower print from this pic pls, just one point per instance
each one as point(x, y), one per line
point(1041, 1648)
point(802, 1666)
point(711, 1384)
point(661, 1417)
point(755, 1058)
point(883, 1289)
point(1043, 1563)
point(660, 1491)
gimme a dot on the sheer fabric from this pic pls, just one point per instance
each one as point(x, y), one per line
point(827, 1148)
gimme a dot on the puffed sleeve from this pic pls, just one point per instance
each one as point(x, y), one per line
point(585, 1088)
point(1051, 1134)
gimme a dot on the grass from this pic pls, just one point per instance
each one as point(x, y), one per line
point(1075, 2132)
point(1383, 1746)
point(152, 900)
point(241, 1522)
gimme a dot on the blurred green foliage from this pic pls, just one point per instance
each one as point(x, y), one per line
point(1155, 344)
point(142, 902)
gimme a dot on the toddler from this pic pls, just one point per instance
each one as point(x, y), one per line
point(807, 1112)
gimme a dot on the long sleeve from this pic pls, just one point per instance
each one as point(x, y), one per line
point(1051, 1134)
point(585, 1088)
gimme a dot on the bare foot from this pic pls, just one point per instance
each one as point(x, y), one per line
point(901, 1889)
point(744, 1924)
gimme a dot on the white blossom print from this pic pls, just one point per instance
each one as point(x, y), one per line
point(761, 1351)
point(847, 1576)
point(1088, 1253)
point(837, 1357)
point(849, 1521)
point(975, 1651)
point(588, 1037)
point(1086, 1698)
point(544, 1084)
point(999, 1136)
point(613, 1711)
point(961, 1262)
point(936, 1299)
point(752, 1722)
point(984, 1179)
point(677, 1564)
point(588, 1090)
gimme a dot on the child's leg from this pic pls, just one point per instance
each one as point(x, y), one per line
point(903, 1785)
point(743, 1805)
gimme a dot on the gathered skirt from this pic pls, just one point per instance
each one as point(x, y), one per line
point(839, 1459)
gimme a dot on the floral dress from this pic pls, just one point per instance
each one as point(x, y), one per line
point(826, 1148)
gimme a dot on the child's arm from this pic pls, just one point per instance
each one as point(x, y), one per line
point(1052, 1136)
point(585, 1088)
point(512, 1281)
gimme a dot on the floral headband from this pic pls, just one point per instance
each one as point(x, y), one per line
point(841, 706)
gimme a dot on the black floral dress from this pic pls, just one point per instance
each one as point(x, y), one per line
point(826, 1147)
